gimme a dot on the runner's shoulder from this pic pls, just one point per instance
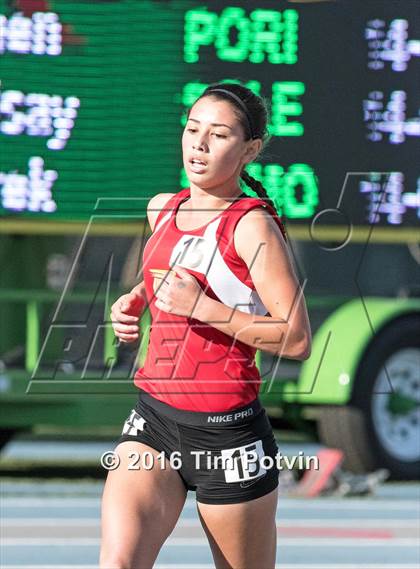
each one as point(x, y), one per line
point(155, 206)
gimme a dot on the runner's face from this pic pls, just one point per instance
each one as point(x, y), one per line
point(213, 135)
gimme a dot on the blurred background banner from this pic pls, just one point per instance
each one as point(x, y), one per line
point(93, 100)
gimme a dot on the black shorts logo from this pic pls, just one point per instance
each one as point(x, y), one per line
point(134, 424)
point(251, 482)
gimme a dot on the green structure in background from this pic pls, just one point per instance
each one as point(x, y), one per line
point(95, 120)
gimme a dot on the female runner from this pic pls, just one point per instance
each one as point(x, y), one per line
point(219, 283)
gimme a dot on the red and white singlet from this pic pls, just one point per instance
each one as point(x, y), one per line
point(190, 364)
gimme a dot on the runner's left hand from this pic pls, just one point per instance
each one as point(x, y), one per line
point(179, 294)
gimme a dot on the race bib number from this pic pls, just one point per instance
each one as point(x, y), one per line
point(243, 463)
point(192, 252)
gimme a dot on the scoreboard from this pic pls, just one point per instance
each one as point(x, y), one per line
point(93, 100)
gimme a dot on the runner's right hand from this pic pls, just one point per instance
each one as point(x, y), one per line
point(125, 314)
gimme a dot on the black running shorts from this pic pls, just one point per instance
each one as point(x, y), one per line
point(225, 457)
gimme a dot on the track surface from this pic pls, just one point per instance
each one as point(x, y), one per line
point(55, 524)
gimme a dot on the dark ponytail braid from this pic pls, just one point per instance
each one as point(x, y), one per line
point(256, 187)
point(259, 189)
point(251, 111)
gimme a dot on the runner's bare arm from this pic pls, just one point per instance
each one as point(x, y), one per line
point(127, 309)
point(154, 206)
point(259, 242)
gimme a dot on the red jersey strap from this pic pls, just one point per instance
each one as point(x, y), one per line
point(276, 218)
point(171, 204)
point(249, 203)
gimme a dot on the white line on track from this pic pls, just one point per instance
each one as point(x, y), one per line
point(324, 522)
point(192, 522)
point(50, 502)
point(207, 566)
point(284, 503)
point(183, 542)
